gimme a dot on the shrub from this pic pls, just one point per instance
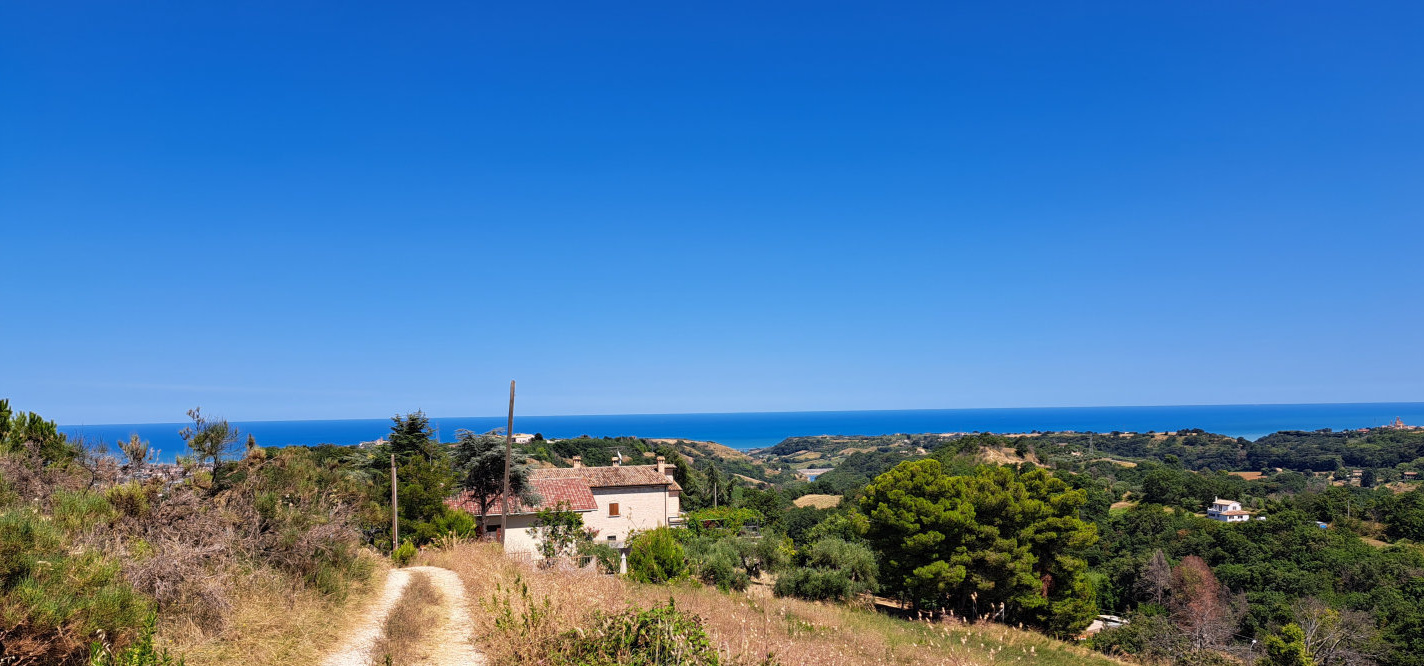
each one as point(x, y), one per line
point(141, 653)
point(848, 526)
point(722, 521)
point(454, 523)
point(404, 554)
point(75, 511)
point(8, 495)
point(53, 599)
point(558, 531)
point(719, 562)
point(731, 563)
point(1148, 637)
point(606, 556)
point(814, 584)
point(132, 499)
point(656, 557)
point(834, 570)
point(658, 636)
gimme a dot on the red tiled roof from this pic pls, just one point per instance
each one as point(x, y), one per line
point(574, 492)
point(610, 477)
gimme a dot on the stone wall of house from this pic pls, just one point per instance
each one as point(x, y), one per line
point(640, 508)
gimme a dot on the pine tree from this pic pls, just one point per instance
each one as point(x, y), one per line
point(210, 439)
point(424, 473)
point(136, 452)
point(994, 543)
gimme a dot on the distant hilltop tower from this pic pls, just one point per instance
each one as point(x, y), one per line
point(1398, 424)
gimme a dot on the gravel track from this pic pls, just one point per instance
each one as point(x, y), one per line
point(445, 645)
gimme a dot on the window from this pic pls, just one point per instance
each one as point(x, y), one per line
point(612, 538)
point(612, 509)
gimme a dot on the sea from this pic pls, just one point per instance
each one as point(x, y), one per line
point(750, 430)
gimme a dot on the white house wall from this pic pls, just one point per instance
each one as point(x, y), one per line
point(520, 537)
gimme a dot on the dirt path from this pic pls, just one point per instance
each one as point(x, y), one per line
point(446, 645)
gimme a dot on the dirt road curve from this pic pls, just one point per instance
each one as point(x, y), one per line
point(446, 645)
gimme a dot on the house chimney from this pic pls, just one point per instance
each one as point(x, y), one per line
point(662, 465)
point(578, 462)
point(616, 461)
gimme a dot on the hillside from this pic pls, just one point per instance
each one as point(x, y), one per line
point(599, 451)
point(752, 627)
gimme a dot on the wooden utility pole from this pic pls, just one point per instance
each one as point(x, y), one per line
point(508, 446)
point(395, 522)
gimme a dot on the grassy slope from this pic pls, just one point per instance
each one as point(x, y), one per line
point(273, 622)
point(746, 626)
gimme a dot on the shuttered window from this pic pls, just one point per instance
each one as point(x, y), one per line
point(612, 509)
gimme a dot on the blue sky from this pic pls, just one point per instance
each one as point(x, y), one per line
point(342, 210)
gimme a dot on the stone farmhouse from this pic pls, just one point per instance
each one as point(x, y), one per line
point(614, 501)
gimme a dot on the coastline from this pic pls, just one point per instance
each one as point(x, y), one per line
point(750, 430)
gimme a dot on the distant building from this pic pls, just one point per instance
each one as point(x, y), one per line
point(1411, 476)
point(811, 473)
point(1398, 424)
point(614, 501)
point(1100, 623)
point(1227, 511)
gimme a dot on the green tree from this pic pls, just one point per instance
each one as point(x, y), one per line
point(996, 543)
point(716, 484)
point(210, 439)
point(479, 466)
point(1286, 648)
point(656, 557)
point(1404, 515)
point(833, 570)
point(424, 475)
point(847, 526)
point(411, 436)
point(137, 452)
point(769, 503)
point(28, 432)
point(558, 531)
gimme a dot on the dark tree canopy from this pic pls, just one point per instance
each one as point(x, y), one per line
point(479, 466)
point(424, 475)
point(997, 543)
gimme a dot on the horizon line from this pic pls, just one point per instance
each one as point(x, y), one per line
point(802, 411)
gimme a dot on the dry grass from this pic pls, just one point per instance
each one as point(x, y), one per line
point(1127, 463)
point(818, 501)
point(851, 450)
point(271, 621)
point(744, 627)
point(1249, 476)
point(1006, 456)
point(410, 620)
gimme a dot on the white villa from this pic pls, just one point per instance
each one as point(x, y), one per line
point(1227, 511)
point(614, 500)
